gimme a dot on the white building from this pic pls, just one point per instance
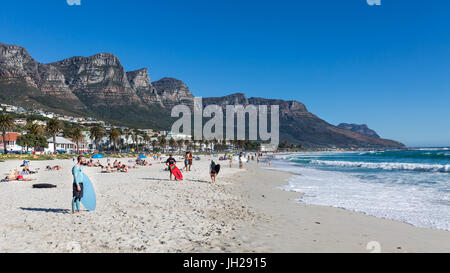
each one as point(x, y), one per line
point(20, 121)
point(62, 145)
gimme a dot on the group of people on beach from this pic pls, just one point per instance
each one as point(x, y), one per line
point(16, 175)
point(188, 160)
point(117, 166)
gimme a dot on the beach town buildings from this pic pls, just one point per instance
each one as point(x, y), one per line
point(177, 136)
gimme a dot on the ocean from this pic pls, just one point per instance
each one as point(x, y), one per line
point(411, 186)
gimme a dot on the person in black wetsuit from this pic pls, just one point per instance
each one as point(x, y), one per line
point(171, 161)
point(212, 171)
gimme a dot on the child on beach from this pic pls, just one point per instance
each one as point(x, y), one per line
point(77, 172)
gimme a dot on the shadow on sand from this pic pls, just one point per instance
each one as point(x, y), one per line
point(62, 211)
point(167, 180)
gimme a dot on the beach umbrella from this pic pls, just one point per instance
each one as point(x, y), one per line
point(98, 156)
point(142, 156)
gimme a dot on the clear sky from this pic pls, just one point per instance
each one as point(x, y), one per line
point(387, 66)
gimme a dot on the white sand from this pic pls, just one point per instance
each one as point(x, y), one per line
point(141, 211)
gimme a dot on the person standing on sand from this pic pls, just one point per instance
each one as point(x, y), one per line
point(77, 172)
point(171, 161)
point(230, 160)
point(190, 158)
point(240, 161)
point(186, 162)
point(212, 171)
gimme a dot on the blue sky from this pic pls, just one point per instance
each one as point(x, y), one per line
point(387, 66)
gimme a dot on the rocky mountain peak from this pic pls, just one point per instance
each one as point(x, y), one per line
point(140, 82)
point(139, 78)
point(362, 129)
point(15, 61)
point(173, 91)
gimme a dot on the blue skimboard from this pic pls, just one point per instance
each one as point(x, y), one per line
point(89, 201)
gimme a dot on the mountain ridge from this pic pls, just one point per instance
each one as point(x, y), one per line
point(99, 85)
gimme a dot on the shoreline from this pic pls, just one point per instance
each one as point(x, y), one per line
point(142, 211)
point(293, 226)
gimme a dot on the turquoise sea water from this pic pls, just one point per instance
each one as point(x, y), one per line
point(411, 186)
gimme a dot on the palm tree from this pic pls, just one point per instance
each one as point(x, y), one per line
point(200, 143)
point(147, 139)
point(97, 133)
point(114, 136)
point(35, 129)
point(206, 144)
point(6, 124)
point(193, 142)
point(172, 142)
point(162, 142)
point(187, 143)
point(134, 138)
point(215, 141)
point(53, 128)
point(127, 133)
point(154, 143)
point(180, 144)
point(77, 136)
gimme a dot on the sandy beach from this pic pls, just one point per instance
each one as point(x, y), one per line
point(142, 211)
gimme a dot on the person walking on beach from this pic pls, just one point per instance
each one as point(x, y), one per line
point(212, 171)
point(230, 160)
point(77, 172)
point(171, 161)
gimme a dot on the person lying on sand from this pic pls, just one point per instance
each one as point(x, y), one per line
point(54, 168)
point(108, 169)
point(14, 176)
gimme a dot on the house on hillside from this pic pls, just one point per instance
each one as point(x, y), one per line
point(20, 122)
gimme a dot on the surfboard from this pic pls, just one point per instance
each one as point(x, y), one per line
point(176, 172)
point(217, 169)
point(89, 200)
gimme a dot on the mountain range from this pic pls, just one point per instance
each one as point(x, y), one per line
point(99, 86)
